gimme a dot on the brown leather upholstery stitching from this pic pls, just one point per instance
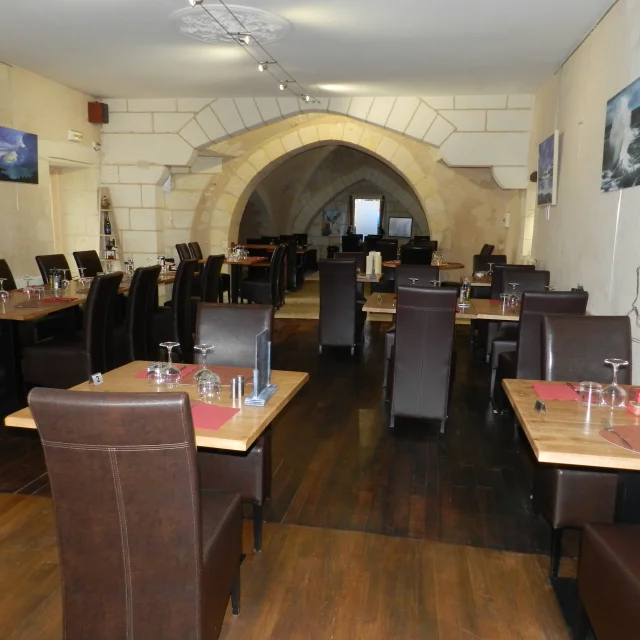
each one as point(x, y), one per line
point(115, 447)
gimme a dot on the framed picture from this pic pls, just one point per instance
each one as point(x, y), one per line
point(18, 156)
point(333, 222)
point(548, 170)
point(400, 227)
point(621, 154)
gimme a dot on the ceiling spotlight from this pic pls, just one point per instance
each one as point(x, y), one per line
point(241, 38)
point(307, 98)
point(193, 3)
point(262, 66)
point(283, 85)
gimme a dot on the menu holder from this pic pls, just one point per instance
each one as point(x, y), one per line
point(262, 387)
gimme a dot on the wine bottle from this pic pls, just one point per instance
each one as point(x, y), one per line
point(107, 224)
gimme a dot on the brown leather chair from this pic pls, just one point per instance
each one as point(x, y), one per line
point(574, 349)
point(51, 261)
point(141, 305)
point(176, 322)
point(525, 361)
point(143, 554)
point(487, 249)
point(407, 275)
point(412, 254)
point(421, 239)
point(421, 367)
point(352, 243)
point(5, 273)
point(359, 256)
point(609, 582)
point(232, 330)
point(182, 249)
point(71, 359)
point(341, 316)
point(294, 269)
point(89, 261)
point(501, 275)
point(211, 291)
point(195, 251)
point(388, 249)
point(267, 287)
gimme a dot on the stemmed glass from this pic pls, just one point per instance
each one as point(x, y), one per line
point(27, 286)
point(207, 381)
point(171, 374)
point(490, 265)
point(204, 372)
point(81, 280)
point(613, 395)
point(435, 283)
point(513, 298)
point(65, 281)
point(549, 287)
point(4, 295)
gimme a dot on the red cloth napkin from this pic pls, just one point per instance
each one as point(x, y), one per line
point(58, 299)
point(560, 391)
point(211, 417)
point(190, 368)
point(630, 433)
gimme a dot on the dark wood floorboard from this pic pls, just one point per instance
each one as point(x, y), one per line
point(338, 465)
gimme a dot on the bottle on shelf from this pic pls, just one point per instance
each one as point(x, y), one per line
point(107, 224)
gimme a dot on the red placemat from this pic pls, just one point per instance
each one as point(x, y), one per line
point(559, 391)
point(211, 417)
point(188, 369)
point(630, 433)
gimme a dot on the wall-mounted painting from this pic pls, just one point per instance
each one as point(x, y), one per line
point(548, 170)
point(333, 222)
point(621, 155)
point(18, 156)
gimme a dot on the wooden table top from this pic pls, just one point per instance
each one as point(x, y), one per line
point(565, 435)
point(22, 308)
point(386, 303)
point(273, 247)
point(251, 261)
point(475, 282)
point(487, 310)
point(368, 277)
point(445, 266)
point(238, 434)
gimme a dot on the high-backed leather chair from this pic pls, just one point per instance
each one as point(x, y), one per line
point(7, 276)
point(421, 367)
point(361, 264)
point(267, 287)
point(71, 359)
point(388, 249)
point(410, 254)
point(481, 262)
point(407, 275)
point(487, 249)
point(500, 275)
point(371, 242)
point(176, 323)
point(89, 261)
point(270, 239)
point(211, 290)
point(143, 554)
point(182, 249)
point(195, 251)
point(294, 269)
point(574, 349)
point(421, 238)
point(341, 315)
point(301, 239)
point(351, 243)
point(525, 361)
point(609, 582)
point(51, 261)
point(232, 330)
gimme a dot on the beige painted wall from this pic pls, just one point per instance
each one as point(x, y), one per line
point(590, 237)
point(34, 104)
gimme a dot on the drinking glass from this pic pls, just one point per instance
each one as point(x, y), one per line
point(4, 295)
point(613, 395)
point(81, 280)
point(27, 285)
point(65, 281)
point(171, 374)
point(504, 299)
point(513, 297)
point(155, 372)
point(590, 394)
point(208, 389)
point(435, 283)
point(490, 265)
point(205, 373)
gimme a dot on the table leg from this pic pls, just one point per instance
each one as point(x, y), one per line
point(235, 283)
point(10, 363)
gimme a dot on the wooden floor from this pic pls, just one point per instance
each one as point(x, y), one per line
point(310, 583)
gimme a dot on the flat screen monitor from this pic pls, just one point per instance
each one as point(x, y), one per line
point(400, 227)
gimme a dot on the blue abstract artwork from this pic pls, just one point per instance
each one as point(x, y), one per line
point(548, 170)
point(18, 156)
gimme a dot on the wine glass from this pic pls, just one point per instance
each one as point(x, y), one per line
point(171, 374)
point(549, 287)
point(613, 395)
point(81, 280)
point(4, 295)
point(204, 372)
point(435, 283)
point(513, 297)
point(27, 286)
point(490, 265)
point(65, 280)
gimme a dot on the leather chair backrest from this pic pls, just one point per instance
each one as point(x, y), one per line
point(527, 280)
point(140, 308)
point(89, 261)
point(210, 280)
point(182, 249)
point(281, 275)
point(359, 256)
point(269, 240)
point(423, 274)
point(498, 274)
point(388, 249)
point(195, 251)
point(99, 314)
point(487, 249)
point(337, 302)
point(5, 273)
point(351, 243)
point(127, 506)
point(291, 262)
point(232, 330)
point(535, 306)
point(301, 239)
point(51, 261)
point(371, 242)
point(255, 241)
point(181, 306)
point(575, 347)
point(425, 325)
point(421, 238)
point(410, 254)
point(481, 262)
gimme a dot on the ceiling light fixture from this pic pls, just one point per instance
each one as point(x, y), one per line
point(244, 38)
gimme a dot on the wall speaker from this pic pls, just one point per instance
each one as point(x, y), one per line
point(98, 113)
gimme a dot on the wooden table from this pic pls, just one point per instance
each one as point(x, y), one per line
point(236, 271)
point(475, 282)
point(238, 434)
point(487, 310)
point(369, 277)
point(386, 303)
point(565, 435)
point(445, 266)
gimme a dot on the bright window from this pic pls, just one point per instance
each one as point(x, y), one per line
point(367, 215)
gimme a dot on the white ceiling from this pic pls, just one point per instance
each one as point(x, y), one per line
point(129, 48)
